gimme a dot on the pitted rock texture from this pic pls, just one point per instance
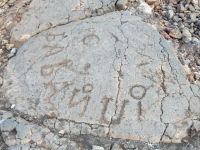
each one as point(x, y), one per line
point(46, 14)
point(112, 73)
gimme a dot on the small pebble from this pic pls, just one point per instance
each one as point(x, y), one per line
point(62, 131)
point(169, 14)
point(5, 60)
point(1, 51)
point(180, 8)
point(13, 51)
point(4, 42)
point(12, 106)
point(198, 62)
point(187, 37)
point(9, 46)
point(191, 78)
point(197, 75)
point(10, 25)
point(7, 105)
point(1, 81)
point(175, 33)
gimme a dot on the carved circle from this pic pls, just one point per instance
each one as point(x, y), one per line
point(91, 39)
point(137, 92)
point(87, 88)
point(46, 70)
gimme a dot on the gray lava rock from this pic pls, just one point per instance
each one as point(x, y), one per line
point(116, 147)
point(8, 125)
point(187, 37)
point(169, 14)
point(180, 8)
point(1, 81)
point(175, 33)
point(121, 4)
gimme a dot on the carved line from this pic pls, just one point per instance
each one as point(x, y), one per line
point(139, 110)
point(106, 101)
point(89, 38)
point(105, 107)
point(87, 88)
point(85, 98)
point(54, 90)
point(119, 118)
point(51, 48)
point(48, 35)
point(51, 67)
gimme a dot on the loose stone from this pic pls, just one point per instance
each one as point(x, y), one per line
point(180, 8)
point(94, 147)
point(175, 33)
point(1, 51)
point(1, 81)
point(170, 14)
point(8, 125)
point(187, 37)
point(9, 46)
point(121, 4)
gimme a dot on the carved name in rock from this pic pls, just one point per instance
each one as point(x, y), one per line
point(114, 71)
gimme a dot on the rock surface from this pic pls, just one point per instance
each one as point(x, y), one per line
point(100, 79)
point(43, 15)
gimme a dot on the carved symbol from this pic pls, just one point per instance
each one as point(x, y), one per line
point(115, 120)
point(87, 66)
point(139, 110)
point(52, 50)
point(106, 101)
point(86, 89)
point(50, 37)
point(47, 70)
point(54, 88)
point(91, 39)
point(137, 92)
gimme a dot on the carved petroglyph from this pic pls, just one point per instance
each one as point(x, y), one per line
point(52, 50)
point(47, 70)
point(115, 119)
point(139, 110)
point(50, 37)
point(146, 42)
point(105, 105)
point(91, 39)
point(55, 88)
point(137, 92)
point(147, 59)
point(86, 89)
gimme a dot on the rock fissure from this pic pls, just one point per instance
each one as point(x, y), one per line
point(163, 82)
point(166, 125)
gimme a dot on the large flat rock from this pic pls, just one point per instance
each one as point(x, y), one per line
point(111, 75)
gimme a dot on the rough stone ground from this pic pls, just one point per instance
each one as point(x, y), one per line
point(42, 128)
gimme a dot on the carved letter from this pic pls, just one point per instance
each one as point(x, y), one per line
point(47, 70)
point(116, 120)
point(86, 89)
point(54, 90)
point(50, 37)
point(52, 50)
